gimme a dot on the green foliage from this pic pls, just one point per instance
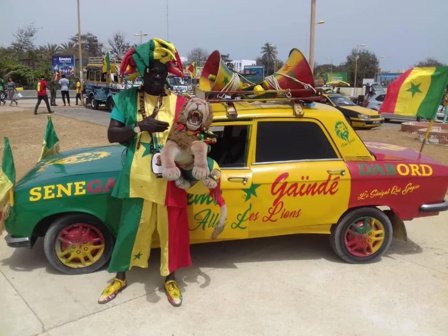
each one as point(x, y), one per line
point(197, 55)
point(362, 62)
point(269, 58)
point(429, 62)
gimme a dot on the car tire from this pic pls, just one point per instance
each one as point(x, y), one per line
point(89, 101)
point(362, 235)
point(110, 104)
point(95, 104)
point(78, 244)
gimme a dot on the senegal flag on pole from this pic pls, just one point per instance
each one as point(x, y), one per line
point(7, 171)
point(417, 92)
point(192, 69)
point(106, 63)
point(50, 145)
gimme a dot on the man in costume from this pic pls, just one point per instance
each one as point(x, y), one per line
point(141, 120)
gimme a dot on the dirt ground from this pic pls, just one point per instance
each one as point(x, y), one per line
point(25, 132)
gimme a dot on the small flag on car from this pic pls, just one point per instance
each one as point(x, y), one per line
point(50, 144)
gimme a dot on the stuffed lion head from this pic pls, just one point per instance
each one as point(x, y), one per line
point(196, 114)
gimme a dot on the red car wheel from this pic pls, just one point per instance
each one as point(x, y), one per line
point(78, 244)
point(362, 235)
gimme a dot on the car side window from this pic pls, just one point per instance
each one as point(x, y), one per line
point(292, 141)
point(230, 149)
point(380, 97)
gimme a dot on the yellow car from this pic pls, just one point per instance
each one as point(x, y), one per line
point(287, 167)
point(357, 116)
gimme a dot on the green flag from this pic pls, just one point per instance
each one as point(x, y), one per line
point(8, 171)
point(106, 63)
point(50, 145)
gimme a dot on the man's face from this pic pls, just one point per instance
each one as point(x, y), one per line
point(154, 81)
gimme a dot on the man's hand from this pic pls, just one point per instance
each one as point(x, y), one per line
point(152, 125)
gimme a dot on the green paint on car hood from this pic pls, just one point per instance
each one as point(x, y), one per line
point(77, 162)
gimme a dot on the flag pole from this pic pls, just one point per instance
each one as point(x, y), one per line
point(426, 135)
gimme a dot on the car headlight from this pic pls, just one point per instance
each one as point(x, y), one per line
point(363, 117)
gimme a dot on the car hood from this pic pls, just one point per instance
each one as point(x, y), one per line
point(359, 109)
point(389, 152)
point(78, 162)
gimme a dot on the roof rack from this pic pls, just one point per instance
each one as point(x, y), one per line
point(287, 95)
point(295, 97)
point(100, 60)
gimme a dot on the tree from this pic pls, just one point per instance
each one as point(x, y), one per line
point(68, 48)
point(227, 61)
point(89, 43)
point(269, 58)
point(50, 49)
point(118, 45)
point(24, 39)
point(197, 55)
point(429, 62)
point(366, 66)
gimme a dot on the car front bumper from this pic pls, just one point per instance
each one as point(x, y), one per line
point(19, 242)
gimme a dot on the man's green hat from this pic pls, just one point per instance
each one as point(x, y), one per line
point(144, 55)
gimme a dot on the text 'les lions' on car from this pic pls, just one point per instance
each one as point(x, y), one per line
point(357, 116)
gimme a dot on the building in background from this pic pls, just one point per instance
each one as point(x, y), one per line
point(238, 65)
point(385, 78)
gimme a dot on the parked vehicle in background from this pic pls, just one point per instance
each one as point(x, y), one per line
point(99, 86)
point(375, 101)
point(180, 85)
point(357, 116)
point(397, 117)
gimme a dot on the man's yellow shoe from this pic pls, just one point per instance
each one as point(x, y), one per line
point(173, 293)
point(112, 290)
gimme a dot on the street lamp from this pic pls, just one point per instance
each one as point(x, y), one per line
point(379, 69)
point(141, 36)
point(331, 64)
point(312, 28)
point(80, 52)
point(356, 63)
point(379, 63)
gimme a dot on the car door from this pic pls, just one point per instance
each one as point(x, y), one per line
point(231, 152)
point(299, 181)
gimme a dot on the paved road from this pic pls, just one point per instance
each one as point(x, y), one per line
point(291, 285)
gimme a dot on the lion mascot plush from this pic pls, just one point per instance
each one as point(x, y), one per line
point(188, 140)
point(186, 149)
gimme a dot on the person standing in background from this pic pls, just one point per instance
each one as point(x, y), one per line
point(12, 91)
point(52, 85)
point(2, 91)
point(42, 95)
point(78, 91)
point(445, 106)
point(64, 83)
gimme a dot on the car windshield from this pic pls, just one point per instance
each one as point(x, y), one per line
point(176, 81)
point(341, 101)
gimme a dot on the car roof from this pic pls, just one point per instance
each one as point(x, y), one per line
point(281, 110)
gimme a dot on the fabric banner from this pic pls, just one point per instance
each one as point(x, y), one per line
point(50, 144)
point(192, 69)
point(106, 63)
point(417, 92)
point(7, 171)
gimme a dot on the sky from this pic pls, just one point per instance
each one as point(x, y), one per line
point(400, 33)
